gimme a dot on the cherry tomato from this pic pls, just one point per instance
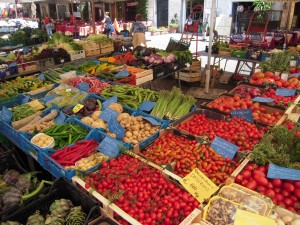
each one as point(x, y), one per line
point(261, 180)
point(288, 187)
point(277, 182)
point(251, 185)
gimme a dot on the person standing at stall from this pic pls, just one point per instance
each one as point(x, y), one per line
point(138, 30)
point(107, 24)
point(48, 24)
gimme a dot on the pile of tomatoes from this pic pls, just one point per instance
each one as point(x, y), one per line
point(188, 155)
point(142, 192)
point(285, 193)
point(227, 103)
point(237, 131)
point(279, 100)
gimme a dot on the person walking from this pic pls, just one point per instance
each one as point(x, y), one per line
point(138, 30)
point(48, 24)
point(107, 24)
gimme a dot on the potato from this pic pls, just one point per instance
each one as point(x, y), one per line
point(126, 139)
point(135, 142)
point(128, 134)
point(127, 125)
point(135, 133)
point(134, 128)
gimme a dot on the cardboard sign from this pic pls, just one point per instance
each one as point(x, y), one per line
point(147, 106)
point(122, 73)
point(198, 185)
point(41, 76)
point(295, 75)
point(243, 113)
point(243, 217)
point(275, 171)
point(106, 103)
point(151, 120)
point(107, 114)
point(224, 148)
point(261, 99)
point(109, 147)
point(36, 104)
point(116, 128)
point(83, 86)
point(285, 92)
point(77, 108)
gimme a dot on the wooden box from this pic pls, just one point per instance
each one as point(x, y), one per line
point(92, 52)
point(189, 76)
point(27, 67)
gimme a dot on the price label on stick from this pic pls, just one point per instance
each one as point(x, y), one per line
point(151, 120)
point(198, 185)
point(243, 113)
point(224, 148)
point(107, 114)
point(279, 172)
point(106, 103)
point(147, 106)
point(243, 217)
point(109, 147)
point(116, 128)
point(77, 108)
point(285, 92)
point(261, 99)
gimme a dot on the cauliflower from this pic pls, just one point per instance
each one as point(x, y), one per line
point(116, 107)
point(99, 123)
point(87, 120)
point(95, 115)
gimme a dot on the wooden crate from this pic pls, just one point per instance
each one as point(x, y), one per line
point(224, 53)
point(27, 67)
point(196, 65)
point(110, 208)
point(144, 79)
point(92, 52)
point(224, 79)
point(106, 45)
point(107, 50)
point(189, 76)
point(75, 55)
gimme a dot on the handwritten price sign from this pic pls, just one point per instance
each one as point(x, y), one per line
point(198, 185)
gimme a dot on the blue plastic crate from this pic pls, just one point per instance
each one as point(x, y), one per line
point(9, 132)
point(43, 93)
point(58, 171)
point(13, 101)
point(2, 73)
point(36, 151)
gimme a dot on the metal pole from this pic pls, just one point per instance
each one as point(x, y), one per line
point(211, 29)
point(93, 17)
point(16, 11)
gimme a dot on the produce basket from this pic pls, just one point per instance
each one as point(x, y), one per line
point(171, 160)
point(241, 54)
point(36, 151)
point(118, 213)
point(12, 69)
point(27, 67)
point(12, 101)
point(61, 189)
point(9, 161)
point(59, 171)
point(44, 64)
point(175, 45)
point(171, 67)
point(209, 114)
point(75, 55)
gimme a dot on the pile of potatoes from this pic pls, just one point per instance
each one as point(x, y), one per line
point(137, 129)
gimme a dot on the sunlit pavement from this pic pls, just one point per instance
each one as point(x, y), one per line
point(161, 42)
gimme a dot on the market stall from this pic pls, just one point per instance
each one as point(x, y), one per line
point(145, 155)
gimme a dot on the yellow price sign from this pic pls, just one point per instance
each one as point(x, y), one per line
point(198, 185)
point(77, 108)
point(243, 217)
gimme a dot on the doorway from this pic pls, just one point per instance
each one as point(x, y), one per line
point(162, 13)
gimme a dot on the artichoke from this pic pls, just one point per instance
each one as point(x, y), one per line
point(11, 177)
point(23, 184)
point(11, 198)
point(76, 216)
point(61, 207)
point(36, 219)
point(54, 220)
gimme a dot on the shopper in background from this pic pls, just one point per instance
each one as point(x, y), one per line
point(48, 24)
point(72, 19)
point(138, 30)
point(189, 20)
point(125, 32)
point(107, 24)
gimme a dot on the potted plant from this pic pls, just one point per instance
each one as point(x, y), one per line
point(174, 24)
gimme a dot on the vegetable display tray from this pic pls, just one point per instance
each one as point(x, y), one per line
point(58, 171)
point(36, 151)
point(60, 189)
